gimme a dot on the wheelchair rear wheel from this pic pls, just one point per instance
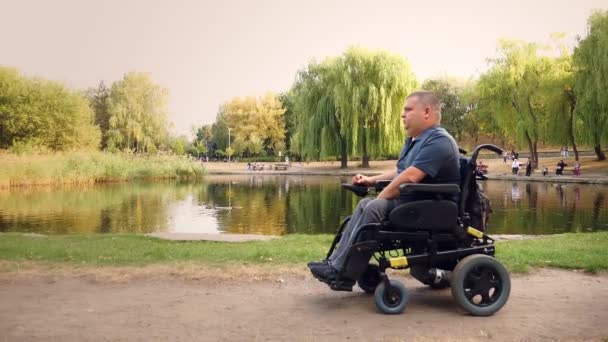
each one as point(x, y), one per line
point(370, 279)
point(481, 285)
point(392, 301)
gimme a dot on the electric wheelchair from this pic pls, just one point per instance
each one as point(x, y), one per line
point(435, 239)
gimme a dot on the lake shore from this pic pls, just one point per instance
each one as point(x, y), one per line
point(593, 172)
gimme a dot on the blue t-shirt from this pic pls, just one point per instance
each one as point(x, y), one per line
point(435, 152)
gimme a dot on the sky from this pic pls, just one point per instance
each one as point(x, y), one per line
point(207, 52)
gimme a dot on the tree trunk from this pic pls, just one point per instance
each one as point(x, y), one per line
point(343, 154)
point(571, 127)
point(599, 153)
point(535, 158)
point(532, 149)
point(365, 158)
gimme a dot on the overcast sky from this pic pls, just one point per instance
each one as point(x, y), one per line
point(206, 52)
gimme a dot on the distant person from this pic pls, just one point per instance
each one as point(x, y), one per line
point(577, 169)
point(560, 168)
point(481, 167)
point(561, 151)
point(566, 154)
point(528, 168)
point(545, 170)
point(515, 166)
point(504, 157)
point(248, 166)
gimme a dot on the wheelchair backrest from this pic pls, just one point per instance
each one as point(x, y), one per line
point(468, 183)
point(467, 168)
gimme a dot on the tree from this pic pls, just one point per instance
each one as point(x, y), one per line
point(219, 131)
point(256, 124)
point(591, 79)
point(370, 90)
point(204, 134)
point(138, 113)
point(44, 113)
point(453, 105)
point(351, 105)
point(179, 145)
point(204, 139)
point(561, 98)
point(98, 100)
point(512, 91)
point(287, 101)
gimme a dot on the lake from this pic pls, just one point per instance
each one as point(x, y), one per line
point(273, 205)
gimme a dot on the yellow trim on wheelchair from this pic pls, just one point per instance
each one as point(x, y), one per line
point(400, 262)
point(476, 233)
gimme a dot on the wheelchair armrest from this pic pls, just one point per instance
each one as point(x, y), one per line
point(381, 184)
point(359, 190)
point(432, 188)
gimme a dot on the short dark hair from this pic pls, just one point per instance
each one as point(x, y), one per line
point(428, 98)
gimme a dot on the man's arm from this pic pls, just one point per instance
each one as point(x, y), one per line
point(369, 181)
point(410, 175)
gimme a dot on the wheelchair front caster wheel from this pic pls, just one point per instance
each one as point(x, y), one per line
point(370, 279)
point(392, 301)
point(481, 285)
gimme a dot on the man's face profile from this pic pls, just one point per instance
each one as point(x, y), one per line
point(413, 116)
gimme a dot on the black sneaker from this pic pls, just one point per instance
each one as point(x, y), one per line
point(318, 263)
point(324, 273)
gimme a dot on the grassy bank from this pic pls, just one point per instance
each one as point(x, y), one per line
point(572, 251)
point(91, 167)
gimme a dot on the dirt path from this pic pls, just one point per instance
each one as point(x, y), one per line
point(547, 305)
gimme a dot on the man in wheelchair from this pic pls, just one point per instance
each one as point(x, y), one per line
point(420, 226)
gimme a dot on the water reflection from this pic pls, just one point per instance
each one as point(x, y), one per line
point(545, 208)
point(264, 204)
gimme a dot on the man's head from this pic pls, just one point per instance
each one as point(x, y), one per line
point(422, 110)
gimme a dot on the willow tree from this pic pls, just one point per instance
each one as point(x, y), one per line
point(561, 98)
point(319, 131)
point(371, 88)
point(138, 113)
point(512, 89)
point(351, 105)
point(591, 62)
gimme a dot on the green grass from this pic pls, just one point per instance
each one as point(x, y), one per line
point(91, 167)
point(587, 251)
point(101, 250)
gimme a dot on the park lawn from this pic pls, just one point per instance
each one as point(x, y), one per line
point(584, 251)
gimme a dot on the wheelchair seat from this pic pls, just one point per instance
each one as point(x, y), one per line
point(437, 216)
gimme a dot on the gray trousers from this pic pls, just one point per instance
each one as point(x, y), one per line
point(369, 210)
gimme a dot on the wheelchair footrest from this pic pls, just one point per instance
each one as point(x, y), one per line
point(342, 285)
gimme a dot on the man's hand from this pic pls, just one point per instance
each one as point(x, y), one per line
point(360, 179)
point(411, 175)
